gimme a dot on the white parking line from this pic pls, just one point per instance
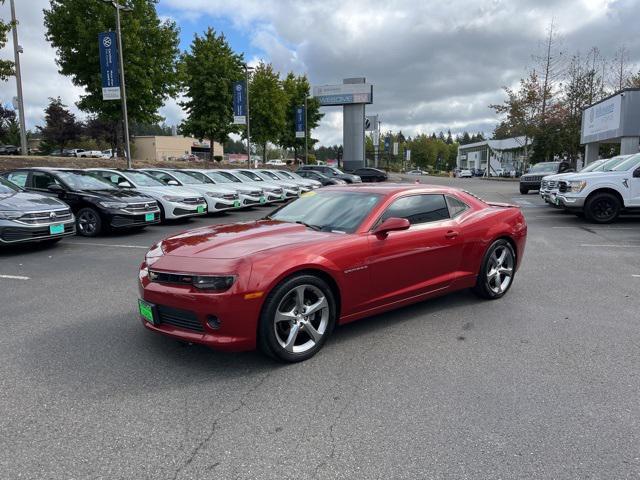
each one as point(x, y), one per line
point(14, 277)
point(601, 228)
point(109, 245)
point(635, 276)
point(609, 246)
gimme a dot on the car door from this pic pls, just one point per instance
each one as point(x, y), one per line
point(42, 182)
point(634, 189)
point(425, 258)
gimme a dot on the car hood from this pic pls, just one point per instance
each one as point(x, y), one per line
point(557, 176)
point(588, 175)
point(240, 240)
point(241, 187)
point(23, 201)
point(120, 194)
point(170, 190)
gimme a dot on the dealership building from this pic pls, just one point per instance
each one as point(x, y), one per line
point(171, 147)
point(507, 154)
point(616, 119)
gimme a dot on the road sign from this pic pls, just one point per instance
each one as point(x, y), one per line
point(240, 103)
point(395, 148)
point(109, 66)
point(299, 121)
point(371, 122)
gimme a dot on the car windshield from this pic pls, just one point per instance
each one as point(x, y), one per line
point(612, 162)
point(629, 164)
point(335, 171)
point(251, 176)
point(224, 177)
point(544, 167)
point(200, 176)
point(341, 212)
point(271, 175)
point(595, 166)
point(7, 187)
point(287, 175)
point(186, 179)
point(144, 180)
point(84, 181)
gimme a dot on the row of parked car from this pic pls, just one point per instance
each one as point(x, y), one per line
point(47, 204)
point(600, 192)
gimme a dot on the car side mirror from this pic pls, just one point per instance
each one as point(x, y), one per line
point(125, 184)
point(55, 188)
point(636, 173)
point(173, 183)
point(392, 224)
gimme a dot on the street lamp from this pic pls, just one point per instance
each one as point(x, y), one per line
point(17, 50)
point(247, 69)
point(124, 8)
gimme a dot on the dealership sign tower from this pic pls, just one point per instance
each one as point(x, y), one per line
point(616, 119)
point(353, 94)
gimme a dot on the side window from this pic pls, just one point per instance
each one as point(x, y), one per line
point(456, 206)
point(19, 178)
point(163, 177)
point(42, 180)
point(108, 176)
point(418, 209)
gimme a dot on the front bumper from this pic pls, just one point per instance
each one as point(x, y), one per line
point(218, 204)
point(17, 232)
point(531, 185)
point(571, 202)
point(249, 200)
point(118, 219)
point(183, 312)
point(181, 210)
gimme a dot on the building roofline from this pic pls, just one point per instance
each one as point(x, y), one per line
point(611, 96)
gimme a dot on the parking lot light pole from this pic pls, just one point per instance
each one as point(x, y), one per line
point(123, 90)
point(306, 134)
point(247, 69)
point(17, 50)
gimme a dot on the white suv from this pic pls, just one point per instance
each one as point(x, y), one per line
point(603, 195)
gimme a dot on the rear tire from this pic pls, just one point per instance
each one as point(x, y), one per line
point(297, 318)
point(497, 271)
point(602, 208)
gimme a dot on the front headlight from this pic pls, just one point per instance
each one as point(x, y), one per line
point(154, 253)
point(215, 283)
point(577, 186)
point(171, 198)
point(10, 215)
point(214, 194)
point(113, 204)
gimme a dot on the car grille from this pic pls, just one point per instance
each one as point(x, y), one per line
point(276, 191)
point(184, 211)
point(120, 221)
point(562, 187)
point(231, 196)
point(193, 200)
point(46, 218)
point(255, 193)
point(222, 206)
point(17, 234)
point(179, 318)
point(134, 208)
point(534, 178)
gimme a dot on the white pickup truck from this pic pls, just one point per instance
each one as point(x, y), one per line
point(601, 196)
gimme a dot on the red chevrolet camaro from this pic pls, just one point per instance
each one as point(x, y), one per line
point(330, 257)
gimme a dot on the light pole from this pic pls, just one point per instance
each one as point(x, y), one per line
point(17, 50)
point(306, 134)
point(123, 90)
point(247, 69)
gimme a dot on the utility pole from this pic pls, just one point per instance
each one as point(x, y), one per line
point(17, 50)
point(123, 90)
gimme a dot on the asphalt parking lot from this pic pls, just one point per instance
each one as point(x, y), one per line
point(543, 383)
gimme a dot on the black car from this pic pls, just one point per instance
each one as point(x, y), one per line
point(320, 177)
point(9, 150)
point(533, 178)
point(368, 174)
point(97, 205)
point(333, 172)
point(30, 217)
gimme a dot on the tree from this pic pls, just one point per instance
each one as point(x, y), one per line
point(60, 126)
point(550, 65)
point(6, 66)
point(296, 88)
point(268, 107)
point(150, 50)
point(103, 131)
point(7, 118)
point(620, 69)
point(209, 71)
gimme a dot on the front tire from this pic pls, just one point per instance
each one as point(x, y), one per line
point(602, 208)
point(297, 318)
point(524, 190)
point(89, 223)
point(497, 271)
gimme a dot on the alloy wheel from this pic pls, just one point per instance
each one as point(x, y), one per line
point(87, 222)
point(301, 319)
point(603, 209)
point(500, 271)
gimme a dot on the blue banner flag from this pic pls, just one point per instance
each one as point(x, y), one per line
point(300, 122)
point(240, 103)
point(109, 66)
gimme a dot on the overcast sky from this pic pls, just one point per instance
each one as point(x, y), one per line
point(434, 64)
